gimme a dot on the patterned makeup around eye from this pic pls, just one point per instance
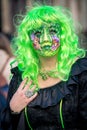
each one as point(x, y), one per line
point(36, 33)
point(54, 29)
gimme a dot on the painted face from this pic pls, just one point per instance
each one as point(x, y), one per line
point(46, 40)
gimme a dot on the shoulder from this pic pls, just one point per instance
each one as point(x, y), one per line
point(79, 66)
point(16, 78)
point(78, 75)
point(14, 68)
point(16, 71)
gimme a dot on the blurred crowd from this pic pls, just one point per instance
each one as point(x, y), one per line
point(6, 57)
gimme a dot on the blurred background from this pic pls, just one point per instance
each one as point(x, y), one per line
point(9, 8)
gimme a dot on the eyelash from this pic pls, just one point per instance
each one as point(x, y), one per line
point(37, 33)
point(52, 31)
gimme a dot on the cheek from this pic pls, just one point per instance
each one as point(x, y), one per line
point(35, 41)
point(55, 43)
point(55, 39)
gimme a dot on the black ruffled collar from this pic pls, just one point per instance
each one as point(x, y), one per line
point(51, 96)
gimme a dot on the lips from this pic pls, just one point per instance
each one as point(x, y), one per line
point(47, 47)
point(52, 47)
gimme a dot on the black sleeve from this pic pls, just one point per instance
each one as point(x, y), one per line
point(83, 101)
point(9, 121)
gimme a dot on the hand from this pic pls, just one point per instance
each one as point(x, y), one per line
point(19, 101)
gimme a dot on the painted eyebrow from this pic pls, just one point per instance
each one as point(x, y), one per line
point(52, 25)
point(37, 29)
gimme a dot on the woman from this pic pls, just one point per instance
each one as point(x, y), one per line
point(48, 88)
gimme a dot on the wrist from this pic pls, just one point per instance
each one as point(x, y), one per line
point(14, 112)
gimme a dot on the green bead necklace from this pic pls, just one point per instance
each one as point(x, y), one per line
point(51, 73)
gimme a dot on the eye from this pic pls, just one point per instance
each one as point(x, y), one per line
point(52, 31)
point(37, 34)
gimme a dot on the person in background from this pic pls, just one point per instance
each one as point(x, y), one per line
point(6, 56)
point(48, 90)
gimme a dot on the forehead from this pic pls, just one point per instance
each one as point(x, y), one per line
point(48, 26)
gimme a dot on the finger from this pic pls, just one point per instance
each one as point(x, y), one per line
point(33, 88)
point(27, 86)
point(32, 97)
point(22, 84)
point(30, 89)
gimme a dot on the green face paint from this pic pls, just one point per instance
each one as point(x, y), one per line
point(46, 40)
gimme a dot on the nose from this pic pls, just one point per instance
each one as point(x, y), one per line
point(45, 36)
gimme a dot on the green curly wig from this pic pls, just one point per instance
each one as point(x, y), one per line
point(28, 61)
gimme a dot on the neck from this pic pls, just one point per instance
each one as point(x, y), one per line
point(48, 63)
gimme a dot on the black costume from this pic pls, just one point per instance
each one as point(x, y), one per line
point(43, 111)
